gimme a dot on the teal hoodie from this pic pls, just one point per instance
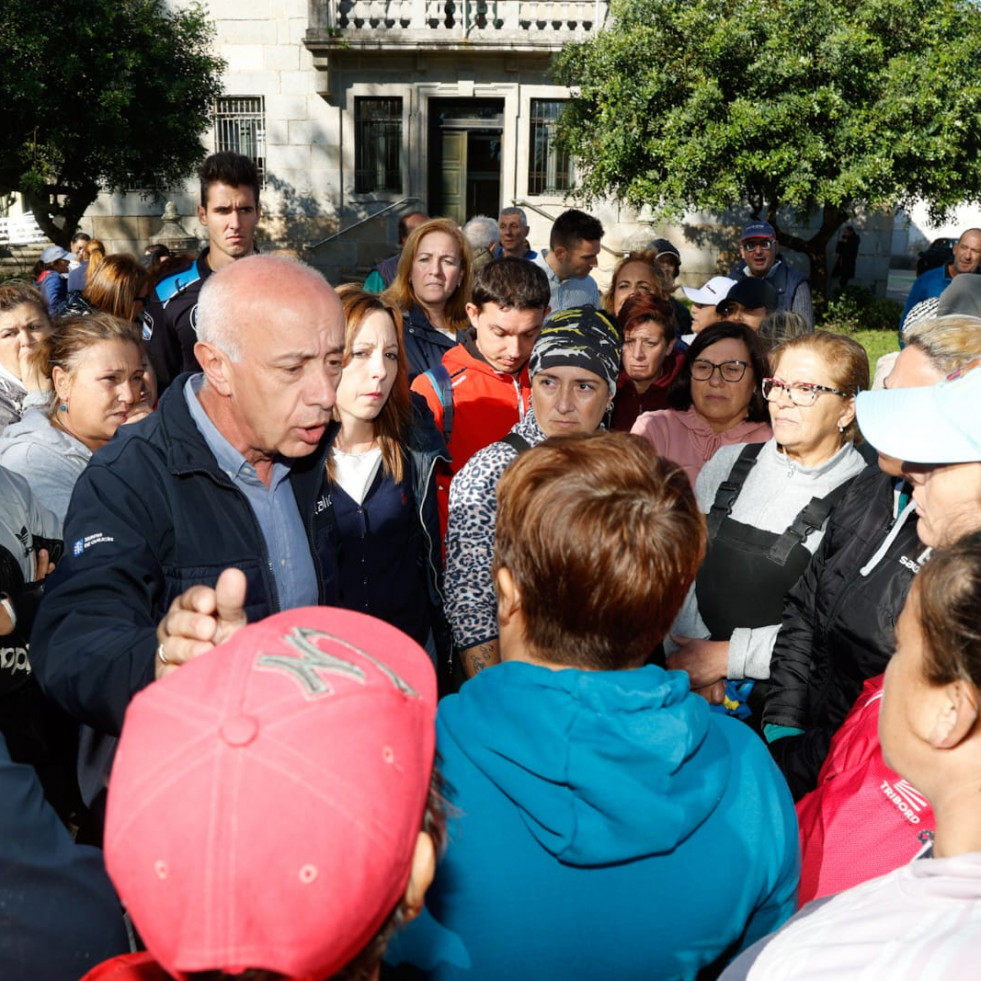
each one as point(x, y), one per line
point(605, 824)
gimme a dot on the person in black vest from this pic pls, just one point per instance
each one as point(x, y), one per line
point(837, 624)
point(767, 507)
point(846, 252)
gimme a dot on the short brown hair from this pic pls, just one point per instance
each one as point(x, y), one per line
point(602, 538)
point(647, 308)
point(16, 293)
point(948, 592)
point(846, 360)
point(511, 283)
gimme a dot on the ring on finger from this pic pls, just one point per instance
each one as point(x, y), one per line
point(161, 656)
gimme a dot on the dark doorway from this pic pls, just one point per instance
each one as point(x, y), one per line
point(465, 157)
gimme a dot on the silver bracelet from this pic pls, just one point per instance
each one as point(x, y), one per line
point(9, 607)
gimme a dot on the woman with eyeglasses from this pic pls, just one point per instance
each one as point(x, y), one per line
point(837, 624)
point(715, 400)
point(767, 507)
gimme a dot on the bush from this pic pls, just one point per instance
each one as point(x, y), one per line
point(858, 308)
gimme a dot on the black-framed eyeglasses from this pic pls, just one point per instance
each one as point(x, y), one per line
point(761, 244)
point(800, 393)
point(730, 371)
point(142, 299)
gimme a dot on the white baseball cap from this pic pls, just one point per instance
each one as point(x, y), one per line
point(713, 292)
point(934, 424)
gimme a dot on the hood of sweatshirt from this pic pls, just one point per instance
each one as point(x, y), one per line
point(35, 427)
point(604, 766)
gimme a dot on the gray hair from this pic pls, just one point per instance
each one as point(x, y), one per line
point(219, 310)
point(782, 325)
point(520, 212)
point(481, 232)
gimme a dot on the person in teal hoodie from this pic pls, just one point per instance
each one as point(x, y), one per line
point(606, 823)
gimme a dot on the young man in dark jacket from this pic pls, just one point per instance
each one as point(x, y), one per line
point(229, 211)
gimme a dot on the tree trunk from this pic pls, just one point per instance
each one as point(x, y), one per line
point(45, 209)
point(815, 248)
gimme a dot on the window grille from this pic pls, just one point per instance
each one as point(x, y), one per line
point(240, 127)
point(549, 168)
point(377, 145)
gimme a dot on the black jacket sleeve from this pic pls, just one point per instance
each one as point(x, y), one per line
point(94, 637)
point(792, 665)
point(59, 916)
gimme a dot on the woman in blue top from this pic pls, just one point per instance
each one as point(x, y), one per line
point(382, 491)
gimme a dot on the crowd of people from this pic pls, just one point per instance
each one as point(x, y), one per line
point(472, 622)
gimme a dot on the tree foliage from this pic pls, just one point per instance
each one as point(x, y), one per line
point(809, 105)
point(100, 96)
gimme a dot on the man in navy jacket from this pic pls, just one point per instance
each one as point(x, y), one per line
point(227, 474)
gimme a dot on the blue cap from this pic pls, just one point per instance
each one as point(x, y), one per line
point(757, 229)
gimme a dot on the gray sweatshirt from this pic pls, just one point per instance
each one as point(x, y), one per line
point(776, 490)
point(49, 459)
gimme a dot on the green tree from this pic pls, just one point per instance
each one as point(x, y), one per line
point(100, 96)
point(814, 106)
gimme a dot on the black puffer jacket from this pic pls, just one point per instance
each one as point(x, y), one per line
point(838, 623)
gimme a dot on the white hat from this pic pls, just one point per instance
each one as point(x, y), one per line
point(933, 424)
point(713, 292)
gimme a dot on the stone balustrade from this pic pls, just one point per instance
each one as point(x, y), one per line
point(506, 22)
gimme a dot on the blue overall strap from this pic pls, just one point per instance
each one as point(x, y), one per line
point(440, 379)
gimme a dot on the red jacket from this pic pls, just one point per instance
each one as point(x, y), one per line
point(864, 819)
point(486, 404)
point(128, 967)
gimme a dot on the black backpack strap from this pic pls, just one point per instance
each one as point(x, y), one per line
point(729, 489)
point(442, 382)
point(517, 443)
point(809, 520)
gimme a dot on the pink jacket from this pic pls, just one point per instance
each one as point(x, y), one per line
point(688, 440)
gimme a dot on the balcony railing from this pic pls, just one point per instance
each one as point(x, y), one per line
point(441, 22)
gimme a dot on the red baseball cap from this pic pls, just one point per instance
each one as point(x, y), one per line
point(266, 798)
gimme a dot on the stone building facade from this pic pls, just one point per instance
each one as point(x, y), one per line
point(358, 111)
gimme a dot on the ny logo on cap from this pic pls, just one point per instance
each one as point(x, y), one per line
point(307, 669)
